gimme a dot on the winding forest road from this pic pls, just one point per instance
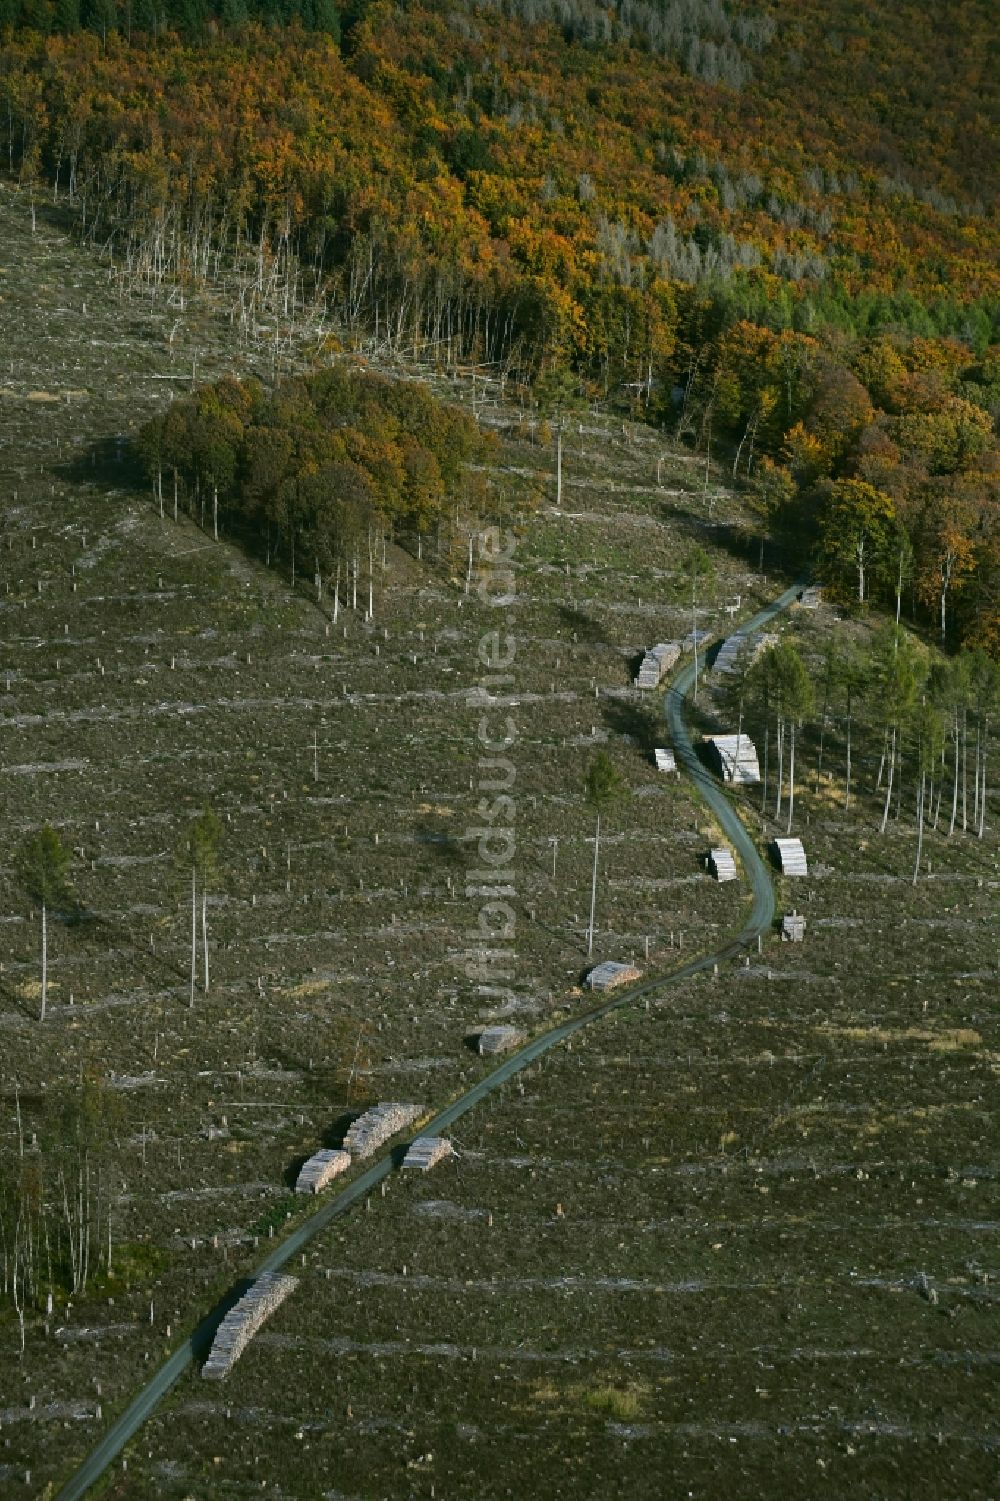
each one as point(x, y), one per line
point(197, 1345)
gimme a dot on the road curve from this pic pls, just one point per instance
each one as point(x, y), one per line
point(196, 1346)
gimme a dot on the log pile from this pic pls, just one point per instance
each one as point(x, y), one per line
point(611, 973)
point(730, 652)
point(499, 1039)
point(242, 1322)
point(657, 661)
point(426, 1151)
point(321, 1168)
point(791, 857)
point(735, 758)
point(722, 864)
point(728, 659)
point(373, 1129)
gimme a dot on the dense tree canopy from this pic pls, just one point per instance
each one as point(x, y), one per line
point(318, 462)
point(776, 229)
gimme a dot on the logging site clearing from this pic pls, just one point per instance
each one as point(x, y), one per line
point(738, 1235)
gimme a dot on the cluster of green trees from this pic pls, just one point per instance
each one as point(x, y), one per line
point(152, 18)
point(58, 1190)
point(931, 719)
point(879, 454)
point(43, 862)
point(56, 1195)
point(315, 470)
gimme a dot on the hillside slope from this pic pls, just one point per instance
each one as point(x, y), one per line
point(774, 233)
point(819, 1122)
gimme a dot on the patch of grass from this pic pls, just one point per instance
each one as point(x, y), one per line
point(276, 1216)
point(946, 1041)
point(624, 1404)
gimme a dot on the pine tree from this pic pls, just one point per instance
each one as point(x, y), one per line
point(603, 787)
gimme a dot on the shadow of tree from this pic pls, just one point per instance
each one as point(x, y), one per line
point(583, 626)
point(111, 462)
point(643, 726)
point(440, 841)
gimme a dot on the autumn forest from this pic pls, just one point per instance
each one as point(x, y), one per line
point(772, 231)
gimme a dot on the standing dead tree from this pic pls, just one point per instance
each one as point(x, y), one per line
point(199, 854)
point(43, 868)
point(603, 787)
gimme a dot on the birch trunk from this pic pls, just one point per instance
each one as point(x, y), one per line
point(888, 786)
point(781, 761)
point(204, 936)
point(954, 787)
point(45, 960)
point(965, 769)
point(593, 889)
point(920, 827)
point(194, 934)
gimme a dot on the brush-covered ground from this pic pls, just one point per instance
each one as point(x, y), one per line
point(739, 1241)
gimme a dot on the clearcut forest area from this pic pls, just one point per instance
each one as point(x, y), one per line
point(737, 1239)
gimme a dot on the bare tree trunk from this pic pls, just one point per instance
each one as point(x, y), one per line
point(204, 936)
point(954, 789)
point(982, 795)
point(822, 735)
point(920, 826)
point(194, 933)
point(975, 779)
point(739, 449)
point(593, 889)
point(791, 777)
point(781, 762)
point(965, 769)
point(888, 788)
point(70, 1234)
point(45, 961)
point(847, 800)
point(18, 1297)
